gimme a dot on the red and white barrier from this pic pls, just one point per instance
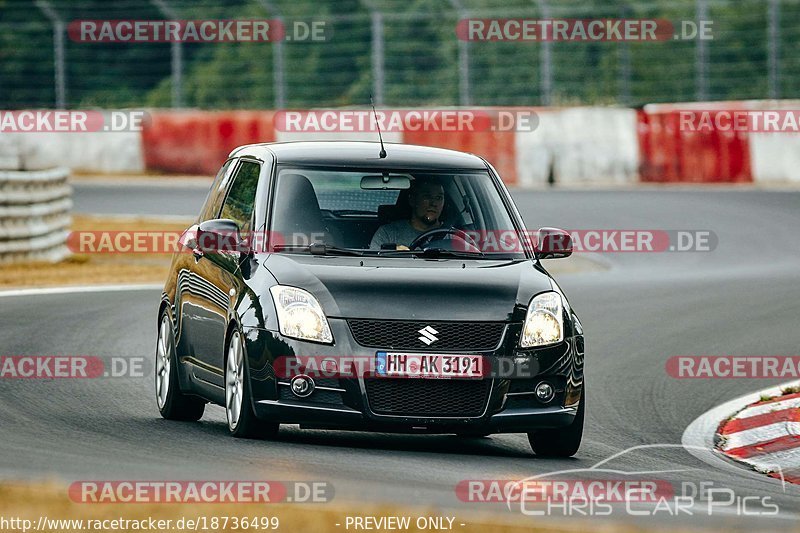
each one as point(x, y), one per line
point(766, 436)
point(573, 146)
point(720, 150)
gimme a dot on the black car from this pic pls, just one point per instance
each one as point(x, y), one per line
point(332, 285)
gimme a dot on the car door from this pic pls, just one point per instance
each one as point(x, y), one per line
point(191, 314)
point(215, 276)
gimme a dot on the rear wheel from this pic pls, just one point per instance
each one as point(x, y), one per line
point(172, 403)
point(560, 442)
point(242, 420)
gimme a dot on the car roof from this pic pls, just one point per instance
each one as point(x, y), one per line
point(362, 154)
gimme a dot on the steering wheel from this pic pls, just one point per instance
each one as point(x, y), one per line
point(470, 245)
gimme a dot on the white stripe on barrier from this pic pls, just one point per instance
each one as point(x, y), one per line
point(775, 157)
point(775, 462)
point(32, 227)
point(765, 408)
point(46, 255)
point(33, 195)
point(749, 437)
point(33, 244)
point(36, 210)
point(27, 176)
point(579, 145)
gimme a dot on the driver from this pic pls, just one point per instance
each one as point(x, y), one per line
point(426, 198)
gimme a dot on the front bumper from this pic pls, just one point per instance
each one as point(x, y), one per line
point(344, 402)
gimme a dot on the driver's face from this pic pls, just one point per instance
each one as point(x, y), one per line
point(427, 203)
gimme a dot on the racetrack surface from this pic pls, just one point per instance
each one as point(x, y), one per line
point(740, 299)
point(141, 197)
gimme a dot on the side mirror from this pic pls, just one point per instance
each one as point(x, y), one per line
point(553, 243)
point(219, 235)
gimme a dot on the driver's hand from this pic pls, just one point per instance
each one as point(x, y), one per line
point(402, 247)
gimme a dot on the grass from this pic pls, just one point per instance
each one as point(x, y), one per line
point(97, 268)
point(50, 500)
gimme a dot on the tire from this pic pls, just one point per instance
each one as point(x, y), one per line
point(242, 420)
point(171, 402)
point(560, 442)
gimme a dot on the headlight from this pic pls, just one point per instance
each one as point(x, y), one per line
point(300, 316)
point(544, 323)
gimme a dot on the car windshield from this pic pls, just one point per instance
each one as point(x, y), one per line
point(391, 213)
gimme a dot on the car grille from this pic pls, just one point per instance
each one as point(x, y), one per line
point(402, 335)
point(428, 397)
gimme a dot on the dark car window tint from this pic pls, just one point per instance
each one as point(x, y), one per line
point(341, 191)
point(330, 206)
point(238, 205)
point(217, 193)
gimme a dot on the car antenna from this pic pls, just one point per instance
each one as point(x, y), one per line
point(382, 153)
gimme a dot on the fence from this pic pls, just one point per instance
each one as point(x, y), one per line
point(403, 53)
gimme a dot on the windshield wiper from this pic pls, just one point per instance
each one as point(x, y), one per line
point(354, 212)
point(445, 252)
point(318, 249)
point(435, 253)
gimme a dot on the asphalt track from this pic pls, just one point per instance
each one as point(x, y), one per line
point(141, 197)
point(740, 299)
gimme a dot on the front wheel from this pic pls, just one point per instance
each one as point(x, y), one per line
point(242, 420)
point(560, 442)
point(172, 403)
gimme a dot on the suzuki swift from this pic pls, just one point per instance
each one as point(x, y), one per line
point(350, 285)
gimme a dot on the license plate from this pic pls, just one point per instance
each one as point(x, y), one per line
point(434, 366)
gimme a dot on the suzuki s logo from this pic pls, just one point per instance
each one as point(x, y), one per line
point(428, 335)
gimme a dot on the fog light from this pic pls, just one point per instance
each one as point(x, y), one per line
point(545, 392)
point(302, 386)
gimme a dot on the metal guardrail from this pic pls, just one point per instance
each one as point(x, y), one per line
point(34, 215)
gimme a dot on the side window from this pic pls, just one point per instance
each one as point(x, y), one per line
point(239, 204)
point(217, 192)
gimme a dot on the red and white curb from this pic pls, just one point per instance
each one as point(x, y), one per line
point(765, 436)
point(761, 434)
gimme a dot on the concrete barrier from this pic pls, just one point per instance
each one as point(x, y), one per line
point(79, 151)
point(775, 156)
point(579, 145)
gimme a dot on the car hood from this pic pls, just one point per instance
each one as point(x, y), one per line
point(413, 288)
